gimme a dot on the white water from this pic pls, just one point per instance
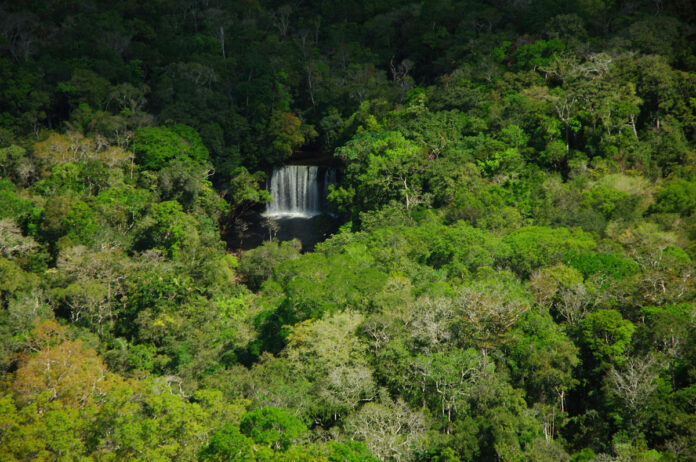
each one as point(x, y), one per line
point(298, 191)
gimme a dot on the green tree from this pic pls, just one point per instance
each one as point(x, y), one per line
point(155, 147)
point(542, 359)
point(381, 167)
point(272, 427)
point(168, 228)
point(534, 246)
point(678, 196)
point(257, 265)
point(605, 335)
point(227, 445)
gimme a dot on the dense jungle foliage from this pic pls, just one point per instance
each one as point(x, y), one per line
point(514, 278)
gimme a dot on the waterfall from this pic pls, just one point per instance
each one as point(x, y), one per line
point(299, 190)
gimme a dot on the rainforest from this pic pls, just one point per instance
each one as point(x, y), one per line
point(348, 231)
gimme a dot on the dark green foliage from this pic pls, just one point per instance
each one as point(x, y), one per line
point(11, 204)
point(257, 265)
point(228, 444)
point(352, 451)
point(513, 279)
point(155, 147)
point(606, 335)
point(612, 204)
point(353, 281)
point(272, 427)
point(537, 54)
point(542, 358)
point(677, 196)
point(167, 228)
point(613, 265)
point(245, 190)
point(533, 247)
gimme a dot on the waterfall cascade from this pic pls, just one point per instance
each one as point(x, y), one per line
point(299, 190)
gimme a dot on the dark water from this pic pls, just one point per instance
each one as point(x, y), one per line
point(309, 230)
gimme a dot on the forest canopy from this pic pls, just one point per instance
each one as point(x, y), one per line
point(514, 274)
